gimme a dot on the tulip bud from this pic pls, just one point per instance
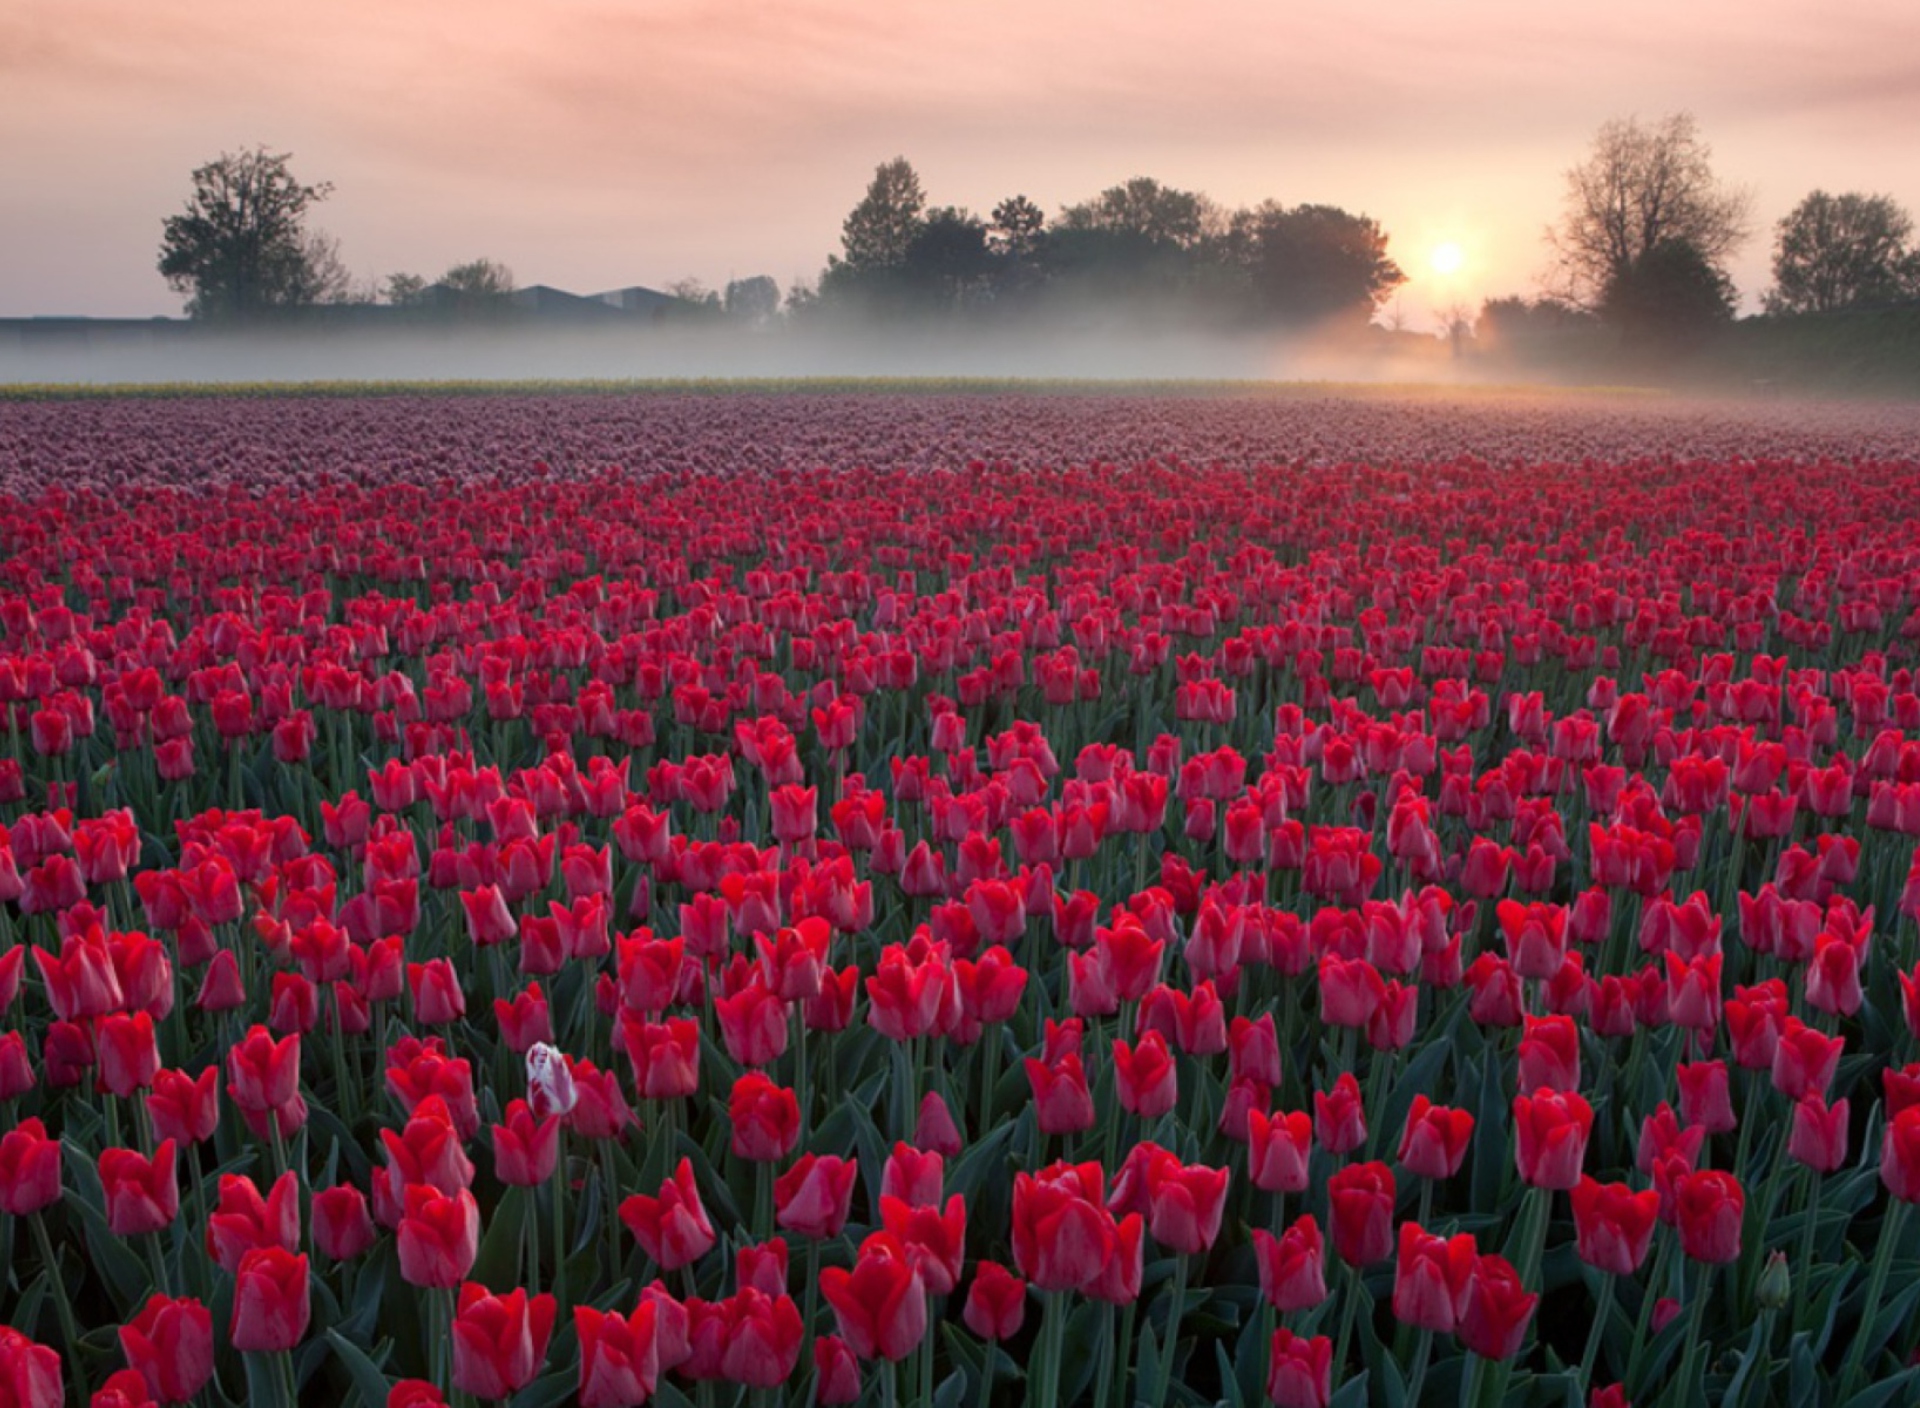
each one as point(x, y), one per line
point(1776, 1283)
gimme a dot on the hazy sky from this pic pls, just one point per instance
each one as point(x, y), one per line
point(591, 144)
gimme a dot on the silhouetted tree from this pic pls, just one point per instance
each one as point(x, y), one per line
point(1160, 215)
point(948, 261)
point(752, 300)
point(1314, 262)
point(241, 248)
point(477, 280)
point(404, 290)
point(1669, 298)
point(1642, 186)
point(1017, 230)
point(878, 231)
point(1833, 252)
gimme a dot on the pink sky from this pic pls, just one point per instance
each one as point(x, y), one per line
point(591, 144)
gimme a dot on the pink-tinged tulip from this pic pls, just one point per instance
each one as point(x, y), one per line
point(1186, 1202)
point(1292, 1266)
point(1339, 1116)
point(996, 1302)
point(271, 1303)
point(1360, 1204)
point(762, 1265)
point(881, 1305)
point(1062, 1102)
point(1253, 1050)
point(672, 1228)
point(1536, 937)
point(244, 1221)
point(439, 1236)
point(1278, 1147)
point(434, 988)
point(1708, 1208)
point(263, 1075)
point(525, 1150)
point(665, 1055)
point(600, 1109)
point(1300, 1370)
point(128, 1055)
point(814, 1197)
point(761, 1337)
point(499, 1341)
point(935, 1237)
point(1613, 1224)
point(765, 1117)
point(1706, 1096)
point(619, 1355)
point(753, 1024)
point(525, 1021)
point(142, 1194)
point(184, 1108)
point(30, 1374)
point(1434, 1142)
point(1900, 1155)
point(1549, 1055)
point(426, 1151)
point(1494, 1323)
point(29, 1169)
point(17, 1075)
point(123, 1389)
point(171, 1343)
point(81, 981)
point(415, 1393)
point(836, 1371)
point(1430, 1278)
point(1145, 1076)
point(934, 1129)
point(1805, 1060)
point(489, 920)
point(913, 1176)
point(342, 1224)
point(1063, 1235)
point(1551, 1129)
point(1818, 1137)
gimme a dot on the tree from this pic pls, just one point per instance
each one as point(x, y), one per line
point(755, 300)
point(404, 290)
point(1314, 262)
point(948, 260)
point(879, 230)
point(1844, 251)
point(1160, 215)
point(1017, 229)
point(1669, 298)
point(1642, 186)
point(477, 280)
point(240, 248)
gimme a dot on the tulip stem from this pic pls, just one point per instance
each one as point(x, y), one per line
point(1809, 1225)
point(533, 1240)
point(986, 1374)
point(1347, 1313)
point(1052, 1337)
point(62, 1304)
point(559, 1223)
point(1603, 1308)
point(1123, 1353)
point(1470, 1378)
point(1876, 1283)
point(1422, 1352)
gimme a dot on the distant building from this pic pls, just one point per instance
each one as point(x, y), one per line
point(647, 302)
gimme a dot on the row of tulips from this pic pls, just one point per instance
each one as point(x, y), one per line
point(637, 939)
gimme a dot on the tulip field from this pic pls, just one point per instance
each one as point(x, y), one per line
point(959, 897)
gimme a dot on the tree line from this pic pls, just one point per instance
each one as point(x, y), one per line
point(1641, 247)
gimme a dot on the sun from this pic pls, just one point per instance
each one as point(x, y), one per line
point(1446, 258)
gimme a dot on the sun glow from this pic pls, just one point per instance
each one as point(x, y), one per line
point(1446, 258)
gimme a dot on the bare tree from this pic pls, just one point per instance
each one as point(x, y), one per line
point(1642, 185)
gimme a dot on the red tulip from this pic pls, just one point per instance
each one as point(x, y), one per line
point(996, 1302)
point(934, 1129)
point(836, 1371)
point(185, 1108)
point(434, 987)
point(1063, 1235)
point(814, 1197)
point(1292, 1266)
point(1430, 1279)
point(263, 1074)
point(1434, 1143)
point(763, 1335)
point(124, 1389)
point(415, 1393)
point(342, 1225)
point(766, 1119)
point(142, 1194)
point(439, 1236)
point(427, 1151)
point(1300, 1370)
point(1187, 1202)
point(29, 1169)
point(753, 1024)
point(1494, 1322)
point(1278, 1146)
point(1360, 1203)
point(1818, 1137)
point(29, 1373)
point(1062, 1103)
point(244, 1220)
point(1549, 1054)
point(171, 1343)
point(914, 1177)
point(1900, 1155)
point(1706, 1096)
point(271, 1303)
point(672, 1228)
point(1804, 1060)
point(619, 1355)
point(665, 1055)
point(499, 1341)
point(1550, 1137)
point(1340, 1116)
point(1613, 1224)
point(881, 1305)
point(1708, 1206)
point(1144, 1076)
